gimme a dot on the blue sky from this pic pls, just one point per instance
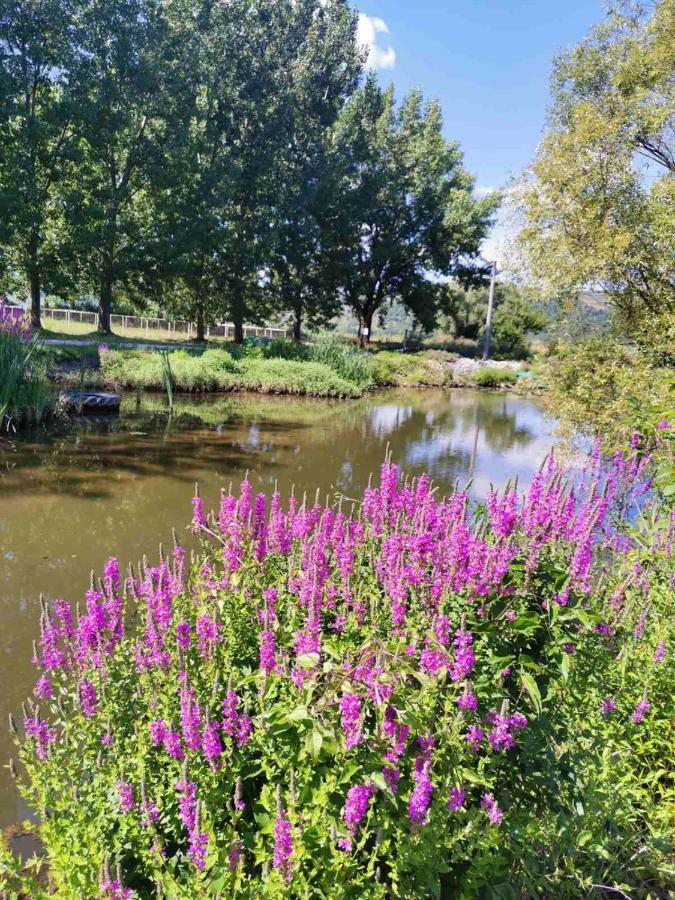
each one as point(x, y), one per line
point(488, 61)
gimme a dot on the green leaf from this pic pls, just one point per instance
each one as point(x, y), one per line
point(316, 742)
point(565, 666)
point(532, 689)
point(308, 660)
point(379, 780)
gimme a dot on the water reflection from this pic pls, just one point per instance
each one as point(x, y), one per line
point(69, 500)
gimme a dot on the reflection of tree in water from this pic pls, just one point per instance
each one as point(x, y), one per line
point(325, 443)
point(497, 420)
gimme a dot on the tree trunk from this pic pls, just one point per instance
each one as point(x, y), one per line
point(366, 329)
point(201, 329)
point(297, 324)
point(34, 279)
point(238, 328)
point(105, 301)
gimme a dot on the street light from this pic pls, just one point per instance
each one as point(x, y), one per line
point(488, 321)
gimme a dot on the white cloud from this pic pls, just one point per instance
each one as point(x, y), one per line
point(368, 29)
point(482, 190)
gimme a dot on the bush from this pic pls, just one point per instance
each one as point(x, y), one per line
point(407, 369)
point(489, 377)
point(24, 391)
point(426, 699)
point(283, 376)
point(601, 385)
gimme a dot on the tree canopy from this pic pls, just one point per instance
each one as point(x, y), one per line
point(599, 202)
point(222, 161)
point(405, 211)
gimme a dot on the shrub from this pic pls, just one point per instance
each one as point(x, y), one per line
point(283, 376)
point(426, 698)
point(24, 392)
point(407, 369)
point(601, 385)
point(205, 371)
point(489, 377)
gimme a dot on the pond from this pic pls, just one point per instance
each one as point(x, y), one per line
point(116, 487)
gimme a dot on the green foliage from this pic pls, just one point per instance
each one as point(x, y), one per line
point(24, 389)
point(489, 377)
point(403, 206)
point(464, 313)
point(217, 370)
point(588, 799)
point(352, 364)
point(600, 202)
point(601, 385)
point(408, 369)
point(36, 140)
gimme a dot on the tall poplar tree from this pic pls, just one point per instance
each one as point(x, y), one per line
point(36, 134)
point(131, 102)
point(405, 212)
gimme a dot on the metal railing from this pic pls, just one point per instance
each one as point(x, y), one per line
point(171, 327)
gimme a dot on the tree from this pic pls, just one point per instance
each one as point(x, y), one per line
point(323, 76)
point(404, 210)
point(464, 313)
point(599, 202)
point(36, 131)
point(237, 225)
point(130, 104)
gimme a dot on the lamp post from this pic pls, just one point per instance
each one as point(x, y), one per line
point(488, 321)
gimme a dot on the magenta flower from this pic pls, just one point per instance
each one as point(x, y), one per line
point(456, 799)
point(268, 651)
point(641, 711)
point(494, 813)
point(418, 803)
point(659, 653)
point(474, 736)
point(467, 700)
point(211, 743)
point(350, 712)
point(198, 844)
point(283, 845)
point(207, 635)
point(355, 808)
point(115, 890)
point(126, 796)
point(43, 688)
point(183, 636)
point(607, 707)
point(88, 698)
point(234, 855)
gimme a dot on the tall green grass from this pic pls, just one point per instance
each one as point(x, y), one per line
point(217, 370)
point(24, 391)
point(336, 353)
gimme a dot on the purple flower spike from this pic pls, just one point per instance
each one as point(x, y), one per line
point(494, 813)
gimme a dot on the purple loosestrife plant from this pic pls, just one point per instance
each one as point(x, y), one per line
point(390, 670)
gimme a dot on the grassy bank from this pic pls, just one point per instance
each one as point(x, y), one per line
point(328, 367)
point(218, 370)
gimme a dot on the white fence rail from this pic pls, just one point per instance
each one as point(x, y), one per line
point(152, 326)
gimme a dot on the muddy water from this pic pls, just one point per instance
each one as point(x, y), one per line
point(116, 487)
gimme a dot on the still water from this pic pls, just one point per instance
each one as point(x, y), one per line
point(115, 487)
